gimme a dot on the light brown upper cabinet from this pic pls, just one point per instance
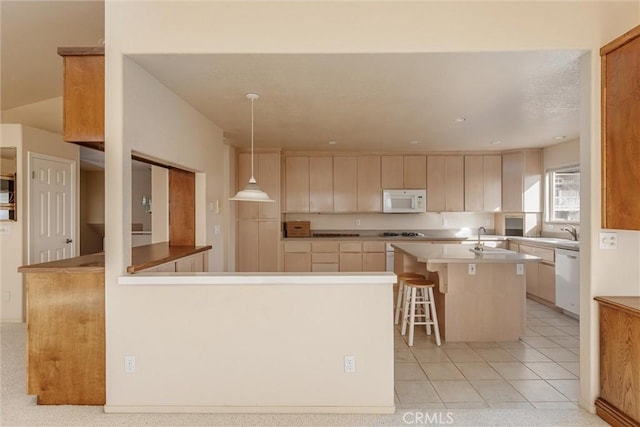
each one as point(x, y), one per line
point(266, 169)
point(321, 184)
point(296, 184)
point(345, 183)
point(399, 172)
point(369, 190)
point(445, 183)
point(83, 95)
point(621, 132)
point(482, 183)
point(522, 181)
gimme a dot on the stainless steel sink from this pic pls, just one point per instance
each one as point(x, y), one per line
point(487, 251)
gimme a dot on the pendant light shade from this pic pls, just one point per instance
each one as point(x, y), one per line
point(251, 192)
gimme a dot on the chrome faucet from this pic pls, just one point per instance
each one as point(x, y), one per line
point(479, 246)
point(571, 230)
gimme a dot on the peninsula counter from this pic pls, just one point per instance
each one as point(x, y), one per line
point(478, 297)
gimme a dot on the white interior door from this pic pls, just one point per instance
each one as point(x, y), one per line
point(51, 201)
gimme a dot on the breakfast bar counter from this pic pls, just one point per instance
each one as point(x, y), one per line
point(479, 297)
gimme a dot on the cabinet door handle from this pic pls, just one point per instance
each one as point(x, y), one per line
point(68, 241)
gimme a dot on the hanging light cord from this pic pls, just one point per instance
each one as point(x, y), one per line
point(252, 180)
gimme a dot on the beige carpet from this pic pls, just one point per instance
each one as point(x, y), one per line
point(19, 409)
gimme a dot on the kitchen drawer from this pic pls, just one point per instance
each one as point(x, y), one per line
point(544, 253)
point(325, 268)
point(350, 247)
point(374, 247)
point(297, 246)
point(325, 247)
point(324, 257)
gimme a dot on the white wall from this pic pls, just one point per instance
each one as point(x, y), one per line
point(263, 348)
point(15, 244)
point(301, 27)
point(45, 115)
point(159, 124)
point(445, 221)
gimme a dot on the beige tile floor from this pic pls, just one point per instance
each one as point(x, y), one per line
point(541, 370)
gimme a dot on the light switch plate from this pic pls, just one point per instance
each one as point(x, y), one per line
point(472, 269)
point(608, 240)
point(519, 269)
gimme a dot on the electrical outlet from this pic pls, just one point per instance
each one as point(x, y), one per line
point(608, 240)
point(130, 364)
point(472, 269)
point(5, 229)
point(349, 364)
point(519, 269)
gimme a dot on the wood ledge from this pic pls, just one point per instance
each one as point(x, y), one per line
point(81, 51)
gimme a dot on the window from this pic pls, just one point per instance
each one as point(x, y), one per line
point(563, 195)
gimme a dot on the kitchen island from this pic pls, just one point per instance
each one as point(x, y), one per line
point(479, 297)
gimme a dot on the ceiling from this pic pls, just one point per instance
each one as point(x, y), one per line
point(382, 102)
point(374, 102)
point(31, 33)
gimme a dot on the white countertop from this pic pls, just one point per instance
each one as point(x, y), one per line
point(382, 278)
point(454, 253)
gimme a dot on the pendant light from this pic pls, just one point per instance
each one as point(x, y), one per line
point(251, 192)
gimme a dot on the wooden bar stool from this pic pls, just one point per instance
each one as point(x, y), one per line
point(402, 278)
point(425, 300)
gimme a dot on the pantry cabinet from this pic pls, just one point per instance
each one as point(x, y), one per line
point(258, 224)
point(266, 169)
point(482, 183)
point(522, 181)
point(369, 190)
point(404, 172)
point(445, 183)
point(621, 132)
point(258, 245)
point(83, 96)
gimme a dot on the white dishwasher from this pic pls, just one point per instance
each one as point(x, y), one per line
point(568, 280)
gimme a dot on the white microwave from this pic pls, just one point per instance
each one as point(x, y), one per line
point(404, 201)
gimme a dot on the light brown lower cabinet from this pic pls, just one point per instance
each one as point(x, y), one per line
point(350, 256)
point(333, 256)
point(547, 282)
point(541, 277)
point(618, 402)
point(297, 257)
point(374, 256)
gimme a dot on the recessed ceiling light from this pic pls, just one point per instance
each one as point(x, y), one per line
point(332, 143)
point(414, 142)
point(495, 142)
point(460, 119)
point(559, 137)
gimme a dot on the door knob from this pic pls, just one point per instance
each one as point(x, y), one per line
point(68, 241)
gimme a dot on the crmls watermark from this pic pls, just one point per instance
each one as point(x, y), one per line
point(421, 418)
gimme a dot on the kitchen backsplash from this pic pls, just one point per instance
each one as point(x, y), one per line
point(385, 222)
